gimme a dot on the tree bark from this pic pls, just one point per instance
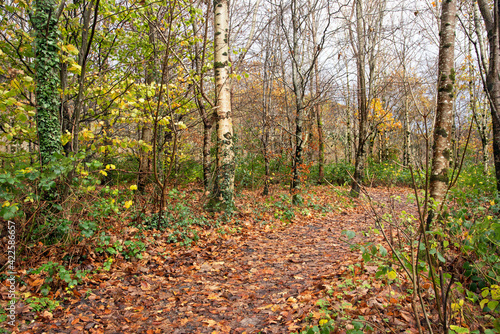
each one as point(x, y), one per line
point(298, 89)
point(146, 131)
point(407, 133)
point(82, 61)
point(491, 20)
point(348, 119)
point(317, 110)
point(223, 189)
point(151, 76)
point(359, 163)
point(442, 153)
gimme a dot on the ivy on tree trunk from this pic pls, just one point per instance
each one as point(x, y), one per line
point(47, 79)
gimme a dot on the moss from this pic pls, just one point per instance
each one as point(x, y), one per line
point(221, 198)
point(452, 75)
point(219, 64)
point(442, 177)
point(448, 88)
point(441, 132)
point(447, 154)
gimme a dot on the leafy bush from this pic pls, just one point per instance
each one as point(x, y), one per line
point(339, 173)
point(189, 171)
point(177, 219)
point(391, 173)
point(250, 171)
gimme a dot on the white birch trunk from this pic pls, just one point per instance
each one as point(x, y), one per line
point(441, 156)
point(222, 193)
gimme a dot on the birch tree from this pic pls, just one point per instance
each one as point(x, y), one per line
point(444, 114)
point(223, 188)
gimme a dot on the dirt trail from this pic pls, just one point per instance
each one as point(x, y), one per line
point(260, 280)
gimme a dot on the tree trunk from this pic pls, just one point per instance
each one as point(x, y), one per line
point(321, 140)
point(144, 160)
point(223, 189)
point(444, 114)
point(146, 131)
point(207, 134)
point(207, 120)
point(317, 110)
point(267, 87)
point(298, 89)
point(348, 120)
point(491, 20)
point(82, 62)
point(47, 79)
point(359, 163)
point(407, 143)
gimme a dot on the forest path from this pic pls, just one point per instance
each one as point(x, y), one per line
point(260, 280)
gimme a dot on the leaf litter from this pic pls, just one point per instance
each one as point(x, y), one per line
point(264, 275)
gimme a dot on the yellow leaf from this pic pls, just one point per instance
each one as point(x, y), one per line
point(483, 302)
point(495, 292)
point(75, 68)
point(71, 49)
point(392, 275)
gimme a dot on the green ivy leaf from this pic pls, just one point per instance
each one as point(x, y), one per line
point(349, 234)
point(382, 250)
point(458, 329)
point(492, 305)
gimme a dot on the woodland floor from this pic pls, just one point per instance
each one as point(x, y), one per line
point(263, 279)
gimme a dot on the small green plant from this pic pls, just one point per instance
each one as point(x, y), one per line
point(107, 264)
point(42, 303)
point(104, 245)
point(54, 272)
point(178, 220)
point(88, 228)
point(3, 319)
point(491, 304)
point(133, 249)
point(325, 326)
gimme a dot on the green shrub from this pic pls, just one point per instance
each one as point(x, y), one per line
point(339, 173)
point(177, 219)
